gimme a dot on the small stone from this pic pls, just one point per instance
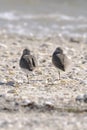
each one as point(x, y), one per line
point(85, 98)
point(49, 106)
point(83, 62)
point(3, 123)
point(10, 83)
point(74, 40)
point(43, 61)
point(79, 98)
point(26, 103)
point(11, 91)
point(14, 67)
point(2, 95)
point(14, 43)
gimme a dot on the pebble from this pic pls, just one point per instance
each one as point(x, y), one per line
point(3, 123)
point(74, 40)
point(11, 91)
point(26, 103)
point(10, 83)
point(79, 98)
point(49, 106)
point(82, 98)
point(85, 98)
point(14, 67)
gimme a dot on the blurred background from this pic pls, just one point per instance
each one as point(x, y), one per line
point(44, 18)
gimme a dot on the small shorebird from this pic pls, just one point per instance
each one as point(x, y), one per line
point(60, 60)
point(27, 62)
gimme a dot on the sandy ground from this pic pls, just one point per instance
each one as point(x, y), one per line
point(46, 102)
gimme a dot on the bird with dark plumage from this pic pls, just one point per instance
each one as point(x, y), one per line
point(27, 62)
point(60, 60)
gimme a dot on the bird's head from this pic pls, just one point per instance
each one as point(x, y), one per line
point(58, 50)
point(26, 51)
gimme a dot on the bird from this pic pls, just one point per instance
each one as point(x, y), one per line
point(60, 60)
point(27, 62)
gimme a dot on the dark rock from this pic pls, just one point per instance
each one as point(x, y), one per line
point(79, 98)
point(74, 40)
point(27, 103)
point(10, 83)
point(85, 98)
point(11, 91)
point(14, 67)
point(2, 95)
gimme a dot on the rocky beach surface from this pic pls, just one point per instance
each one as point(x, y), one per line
point(46, 102)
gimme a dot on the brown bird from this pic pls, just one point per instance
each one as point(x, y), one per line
point(27, 62)
point(60, 60)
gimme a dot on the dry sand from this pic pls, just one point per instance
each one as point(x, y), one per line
point(46, 103)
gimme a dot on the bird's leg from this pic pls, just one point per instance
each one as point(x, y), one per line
point(28, 78)
point(59, 74)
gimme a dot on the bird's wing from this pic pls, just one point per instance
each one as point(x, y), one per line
point(60, 61)
point(28, 62)
point(61, 57)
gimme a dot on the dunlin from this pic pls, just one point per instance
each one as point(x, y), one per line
point(27, 62)
point(60, 60)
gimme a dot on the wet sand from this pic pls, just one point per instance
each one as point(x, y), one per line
point(46, 103)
